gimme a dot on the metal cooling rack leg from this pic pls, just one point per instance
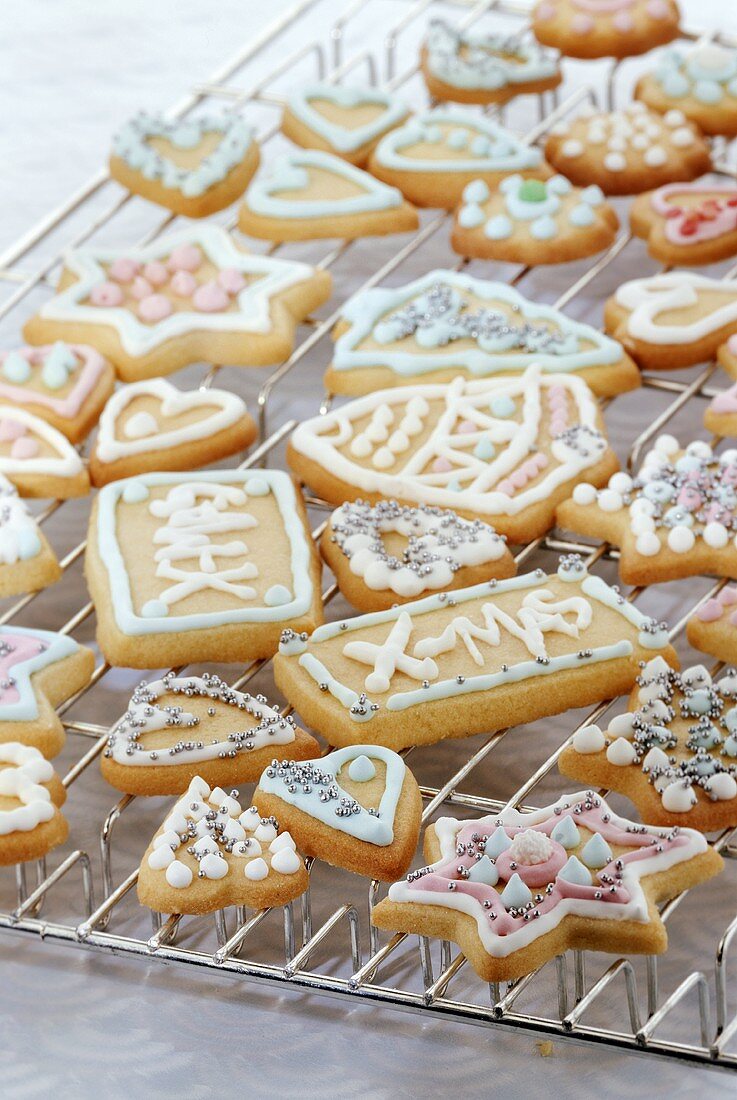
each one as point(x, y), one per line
point(428, 979)
point(624, 966)
point(165, 932)
point(101, 916)
point(347, 912)
point(230, 947)
point(368, 971)
point(697, 979)
point(28, 905)
point(105, 843)
point(724, 1031)
point(21, 883)
point(221, 927)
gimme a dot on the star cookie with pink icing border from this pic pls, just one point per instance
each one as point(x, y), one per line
point(189, 296)
point(605, 28)
point(516, 889)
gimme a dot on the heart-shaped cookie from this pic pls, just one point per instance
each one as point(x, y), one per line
point(151, 425)
point(343, 119)
point(38, 671)
point(358, 808)
point(65, 384)
point(210, 853)
point(311, 194)
point(38, 459)
point(193, 166)
point(30, 795)
point(182, 726)
point(688, 223)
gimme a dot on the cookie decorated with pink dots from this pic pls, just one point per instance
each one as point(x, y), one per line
point(515, 889)
point(605, 28)
point(39, 461)
point(628, 151)
point(503, 451)
point(676, 518)
point(194, 295)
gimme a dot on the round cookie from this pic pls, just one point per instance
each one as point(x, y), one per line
point(343, 119)
point(387, 554)
point(470, 67)
point(628, 151)
point(605, 28)
point(193, 166)
point(533, 221)
point(701, 82)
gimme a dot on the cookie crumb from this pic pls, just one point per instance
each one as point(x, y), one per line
point(544, 1048)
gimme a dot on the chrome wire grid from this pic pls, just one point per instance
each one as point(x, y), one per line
point(684, 1012)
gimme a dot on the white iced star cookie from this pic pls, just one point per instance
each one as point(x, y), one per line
point(193, 166)
point(473, 67)
point(515, 890)
point(628, 151)
point(193, 295)
point(533, 221)
point(151, 425)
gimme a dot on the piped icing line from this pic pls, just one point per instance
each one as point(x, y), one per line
point(470, 60)
point(491, 147)
point(23, 770)
point(146, 713)
point(538, 614)
point(291, 173)
point(450, 454)
point(58, 363)
point(508, 920)
point(678, 498)
point(707, 71)
point(20, 539)
point(647, 299)
point(687, 224)
point(679, 764)
point(439, 544)
point(226, 409)
point(269, 276)
point(22, 652)
point(342, 138)
point(18, 425)
point(222, 837)
point(434, 309)
point(313, 786)
point(181, 538)
point(132, 146)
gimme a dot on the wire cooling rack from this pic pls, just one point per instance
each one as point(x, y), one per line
point(679, 1006)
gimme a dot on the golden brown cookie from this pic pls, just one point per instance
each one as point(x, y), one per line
point(713, 626)
point(27, 562)
point(30, 796)
point(688, 223)
point(605, 28)
point(39, 460)
point(700, 81)
point(345, 119)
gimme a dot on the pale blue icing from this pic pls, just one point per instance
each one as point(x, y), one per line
point(346, 96)
point(361, 770)
point(131, 145)
point(543, 229)
point(151, 622)
point(484, 871)
point(16, 368)
point(708, 91)
point(498, 228)
point(485, 61)
point(708, 72)
point(277, 596)
point(373, 828)
point(57, 647)
point(500, 151)
point(29, 544)
point(599, 590)
point(596, 852)
point(581, 215)
point(470, 215)
point(458, 139)
point(502, 406)
point(575, 872)
point(497, 843)
point(516, 894)
point(674, 85)
point(291, 174)
point(566, 833)
point(134, 492)
point(559, 185)
point(368, 315)
point(484, 449)
point(592, 195)
point(454, 485)
point(523, 209)
point(730, 745)
point(257, 487)
point(58, 365)
point(476, 191)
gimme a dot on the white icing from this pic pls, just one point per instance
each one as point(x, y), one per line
point(648, 299)
point(20, 537)
point(23, 770)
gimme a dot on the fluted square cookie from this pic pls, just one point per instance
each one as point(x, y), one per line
point(469, 661)
point(502, 451)
point(517, 889)
point(209, 566)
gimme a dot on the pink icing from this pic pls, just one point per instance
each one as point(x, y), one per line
point(154, 308)
point(11, 429)
point(533, 875)
point(141, 288)
point(713, 609)
point(185, 257)
point(24, 447)
point(184, 284)
point(231, 280)
point(657, 9)
point(124, 270)
point(582, 24)
point(106, 294)
point(725, 402)
point(544, 12)
point(16, 649)
point(733, 619)
point(156, 272)
point(68, 407)
point(441, 465)
point(690, 498)
point(728, 596)
point(714, 217)
point(732, 344)
point(210, 298)
point(603, 7)
point(622, 21)
point(593, 816)
point(467, 426)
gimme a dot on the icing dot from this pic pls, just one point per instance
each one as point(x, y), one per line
point(572, 148)
point(575, 872)
point(655, 156)
point(141, 288)
point(584, 493)
point(581, 216)
point(476, 191)
point(134, 492)
point(361, 770)
point(16, 368)
point(497, 843)
point(588, 740)
point(681, 539)
point(543, 229)
point(678, 798)
point(256, 869)
point(596, 852)
point(286, 861)
point(682, 137)
point(502, 406)
point(156, 273)
point(516, 894)
point(498, 228)
point(257, 487)
point(124, 270)
point(154, 609)
point(277, 596)
point(716, 535)
point(231, 280)
point(615, 162)
point(140, 425)
point(154, 308)
point(609, 500)
point(621, 753)
point(185, 257)
point(484, 871)
point(184, 284)
point(210, 298)
point(178, 875)
point(106, 294)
